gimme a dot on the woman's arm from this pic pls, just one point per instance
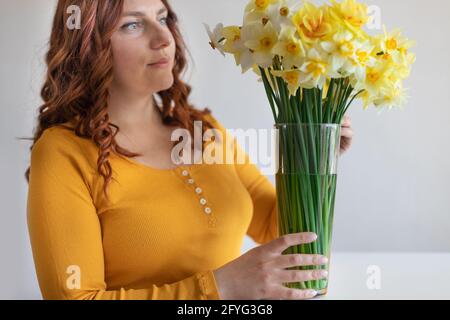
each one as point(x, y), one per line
point(264, 224)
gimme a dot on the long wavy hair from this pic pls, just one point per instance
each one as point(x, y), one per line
point(80, 71)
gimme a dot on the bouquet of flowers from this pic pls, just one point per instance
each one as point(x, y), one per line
point(314, 61)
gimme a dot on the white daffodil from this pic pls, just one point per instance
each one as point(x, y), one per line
point(349, 55)
point(215, 37)
point(363, 58)
point(235, 45)
point(246, 60)
point(260, 39)
point(342, 50)
point(256, 16)
point(259, 5)
point(279, 13)
point(290, 48)
point(316, 69)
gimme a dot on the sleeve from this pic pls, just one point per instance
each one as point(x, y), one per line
point(264, 224)
point(66, 236)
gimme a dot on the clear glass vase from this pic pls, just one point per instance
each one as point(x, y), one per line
point(306, 179)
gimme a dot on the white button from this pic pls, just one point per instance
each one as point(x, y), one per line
point(198, 190)
point(208, 210)
point(203, 201)
point(191, 181)
point(185, 173)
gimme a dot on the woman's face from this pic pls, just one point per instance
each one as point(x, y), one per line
point(142, 39)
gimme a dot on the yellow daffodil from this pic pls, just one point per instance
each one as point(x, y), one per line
point(233, 42)
point(313, 23)
point(402, 64)
point(377, 77)
point(290, 48)
point(393, 42)
point(267, 73)
point(291, 77)
point(260, 39)
point(393, 46)
point(232, 35)
point(405, 63)
point(311, 46)
point(392, 95)
point(351, 12)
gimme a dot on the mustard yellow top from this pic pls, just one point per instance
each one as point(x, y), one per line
point(161, 235)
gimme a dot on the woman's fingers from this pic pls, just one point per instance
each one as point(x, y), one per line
point(346, 122)
point(300, 275)
point(277, 246)
point(293, 260)
point(284, 293)
point(346, 132)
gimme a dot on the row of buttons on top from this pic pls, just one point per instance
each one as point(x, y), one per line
point(198, 191)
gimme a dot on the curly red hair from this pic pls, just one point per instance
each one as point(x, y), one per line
point(80, 72)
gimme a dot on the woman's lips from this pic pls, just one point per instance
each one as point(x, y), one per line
point(160, 64)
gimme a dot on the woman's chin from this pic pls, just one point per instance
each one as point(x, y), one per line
point(165, 85)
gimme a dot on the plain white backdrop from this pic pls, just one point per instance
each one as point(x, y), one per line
point(393, 185)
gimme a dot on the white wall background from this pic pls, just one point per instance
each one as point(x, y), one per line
point(394, 184)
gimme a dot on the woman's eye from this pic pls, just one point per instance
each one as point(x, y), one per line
point(164, 20)
point(131, 26)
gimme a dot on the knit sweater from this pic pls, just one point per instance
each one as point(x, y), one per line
point(161, 234)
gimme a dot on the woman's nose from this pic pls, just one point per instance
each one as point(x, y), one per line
point(160, 38)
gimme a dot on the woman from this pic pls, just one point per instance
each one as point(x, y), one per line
point(109, 214)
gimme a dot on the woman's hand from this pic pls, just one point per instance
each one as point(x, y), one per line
point(346, 135)
point(260, 272)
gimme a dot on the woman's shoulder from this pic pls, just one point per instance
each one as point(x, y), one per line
point(215, 122)
point(61, 142)
point(62, 134)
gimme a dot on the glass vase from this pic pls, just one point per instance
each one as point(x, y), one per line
point(306, 178)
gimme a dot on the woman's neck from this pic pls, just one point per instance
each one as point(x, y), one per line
point(133, 112)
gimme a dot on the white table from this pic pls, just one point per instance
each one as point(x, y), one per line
point(401, 276)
